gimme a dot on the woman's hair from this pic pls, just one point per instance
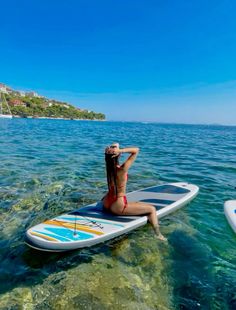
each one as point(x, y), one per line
point(111, 168)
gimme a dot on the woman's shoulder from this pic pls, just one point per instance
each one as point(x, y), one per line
point(122, 170)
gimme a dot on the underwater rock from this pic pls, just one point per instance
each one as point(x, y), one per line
point(100, 287)
point(18, 298)
point(104, 282)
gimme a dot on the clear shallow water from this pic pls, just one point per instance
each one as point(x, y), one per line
point(48, 167)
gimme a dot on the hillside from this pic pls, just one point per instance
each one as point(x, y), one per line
point(33, 105)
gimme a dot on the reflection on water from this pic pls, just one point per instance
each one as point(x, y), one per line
point(50, 167)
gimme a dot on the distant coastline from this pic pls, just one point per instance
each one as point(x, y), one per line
point(58, 118)
point(32, 105)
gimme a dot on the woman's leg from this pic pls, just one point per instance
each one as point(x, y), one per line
point(139, 208)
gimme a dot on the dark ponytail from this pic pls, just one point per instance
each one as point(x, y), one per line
point(111, 168)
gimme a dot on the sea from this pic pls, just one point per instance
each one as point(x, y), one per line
point(49, 167)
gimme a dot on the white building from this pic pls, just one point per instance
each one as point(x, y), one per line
point(21, 93)
point(3, 88)
point(32, 94)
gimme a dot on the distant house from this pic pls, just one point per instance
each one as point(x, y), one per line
point(14, 92)
point(17, 102)
point(4, 88)
point(56, 103)
point(32, 94)
point(21, 93)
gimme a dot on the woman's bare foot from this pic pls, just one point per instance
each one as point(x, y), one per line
point(158, 233)
point(161, 237)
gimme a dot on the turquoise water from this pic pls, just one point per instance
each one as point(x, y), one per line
point(48, 167)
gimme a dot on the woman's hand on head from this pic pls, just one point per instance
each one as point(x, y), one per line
point(113, 149)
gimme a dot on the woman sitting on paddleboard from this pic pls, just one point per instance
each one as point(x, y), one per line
point(117, 176)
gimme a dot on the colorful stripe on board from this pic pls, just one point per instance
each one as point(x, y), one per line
point(48, 236)
point(72, 226)
point(71, 220)
point(69, 234)
point(43, 236)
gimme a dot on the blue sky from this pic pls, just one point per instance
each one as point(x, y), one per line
point(165, 61)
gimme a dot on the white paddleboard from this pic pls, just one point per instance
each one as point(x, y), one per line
point(230, 213)
point(91, 225)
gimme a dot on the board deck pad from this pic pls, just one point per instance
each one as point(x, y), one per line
point(92, 224)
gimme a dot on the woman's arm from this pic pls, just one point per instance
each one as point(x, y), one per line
point(133, 154)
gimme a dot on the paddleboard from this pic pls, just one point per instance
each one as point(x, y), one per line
point(91, 224)
point(230, 213)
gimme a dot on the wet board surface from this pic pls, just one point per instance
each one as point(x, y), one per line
point(230, 213)
point(91, 225)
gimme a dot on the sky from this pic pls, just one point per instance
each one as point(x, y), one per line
point(160, 61)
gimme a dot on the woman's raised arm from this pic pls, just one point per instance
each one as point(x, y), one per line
point(133, 154)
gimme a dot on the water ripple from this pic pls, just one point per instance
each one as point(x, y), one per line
point(50, 167)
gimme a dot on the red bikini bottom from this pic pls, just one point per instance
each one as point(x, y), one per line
point(110, 199)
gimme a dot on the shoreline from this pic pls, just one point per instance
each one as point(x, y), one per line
point(59, 118)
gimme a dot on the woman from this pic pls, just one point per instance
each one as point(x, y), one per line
point(117, 175)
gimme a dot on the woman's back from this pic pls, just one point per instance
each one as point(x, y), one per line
point(121, 181)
